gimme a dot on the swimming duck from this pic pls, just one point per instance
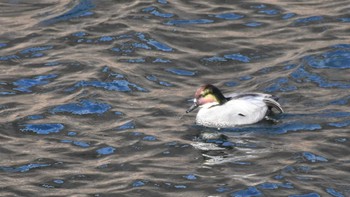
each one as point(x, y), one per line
point(229, 110)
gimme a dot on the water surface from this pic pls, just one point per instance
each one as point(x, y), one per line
point(93, 96)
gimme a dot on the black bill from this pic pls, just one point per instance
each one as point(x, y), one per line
point(193, 107)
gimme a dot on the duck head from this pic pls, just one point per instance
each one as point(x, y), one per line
point(207, 94)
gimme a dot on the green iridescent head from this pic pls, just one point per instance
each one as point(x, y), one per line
point(207, 94)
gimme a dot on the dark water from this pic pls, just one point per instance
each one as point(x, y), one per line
point(92, 94)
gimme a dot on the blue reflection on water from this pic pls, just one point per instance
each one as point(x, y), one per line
point(24, 168)
point(229, 16)
point(253, 24)
point(272, 186)
point(106, 39)
point(35, 49)
point(189, 22)
point(278, 129)
point(269, 12)
point(72, 133)
point(43, 129)
point(297, 169)
point(333, 192)
point(158, 45)
point(340, 124)
point(259, 6)
point(52, 63)
point(25, 84)
point(126, 47)
point(139, 183)
point(306, 195)
point(116, 85)
point(160, 60)
point(249, 192)
point(245, 78)
point(237, 57)
point(152, 10)
point(341, 46)
point(137, 60)
point(106, 69)
point(190, 177)
point(302, 75)
point(313, 157)
point(9, 57)
point(58, 181)
point(83, 108)
point(223, 189)
point(288, 16)
point(341, 101)
point(215, 59)
point(345, 20)
point(341, 140)
point(339, 59)
point(126, 126)
point(155, 79)
point(140, 45)
point(81, 144)
point(308, 20)
point(80, 10)
point(149, 138)
point(231, 83)
point(181, 72)
point(2, 45)
point(180, 186)
point(162, 1)
point(79, 34)
point(7, 93)
point(35, 117)
point(280, 84)
point(106, 150)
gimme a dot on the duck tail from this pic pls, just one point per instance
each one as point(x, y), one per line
point(272, 103)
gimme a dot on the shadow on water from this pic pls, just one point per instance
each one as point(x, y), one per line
point(92, 97)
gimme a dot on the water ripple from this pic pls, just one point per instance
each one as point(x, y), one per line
point(189, 22)
point(43, 129)
point(313, 158)
point(229, 16)
point(301, 75)
point(24, 168)
point(152, 10)
point(126, 126)
point(24, 85)
point(250, 191)
point(82, 108)
point(82, 9)
point(333, 192)
point(115, 85)
point(313, 194)
point(158, 45)
point(278, 129)
point(181, 72)
point(81, 144)
point(335, 59)
point(308, 20)
point(103, 86)
point(106, 150)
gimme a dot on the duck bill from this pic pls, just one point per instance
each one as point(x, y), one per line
point(193, 107)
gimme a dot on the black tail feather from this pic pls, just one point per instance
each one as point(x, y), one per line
point(272, 103)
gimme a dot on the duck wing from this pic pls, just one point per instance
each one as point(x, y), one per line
point(268, 99)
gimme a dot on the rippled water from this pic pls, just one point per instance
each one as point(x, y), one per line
point(93, 95)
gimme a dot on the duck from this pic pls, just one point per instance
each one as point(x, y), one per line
point(218, 110)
